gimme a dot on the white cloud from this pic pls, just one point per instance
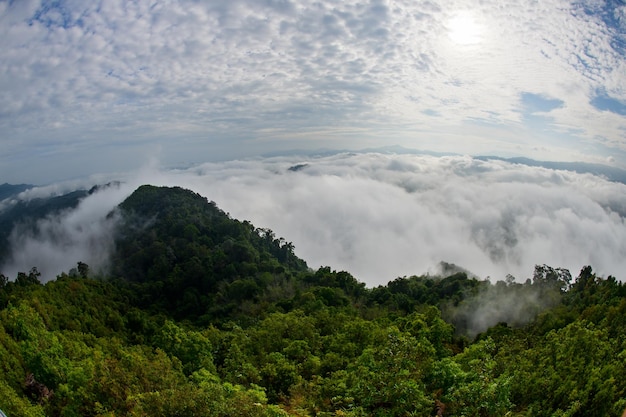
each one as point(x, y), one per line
point(383, 216)
point(226, 75)
point(58, 242)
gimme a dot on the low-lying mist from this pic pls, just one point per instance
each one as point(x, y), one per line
point(493, 304)
point(377, 216)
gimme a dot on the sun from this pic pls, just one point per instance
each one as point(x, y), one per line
point(464, 30)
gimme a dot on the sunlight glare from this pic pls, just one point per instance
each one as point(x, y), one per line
point(464, 30)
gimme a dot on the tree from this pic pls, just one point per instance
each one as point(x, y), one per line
point(83, 269)
point(190, 347)
point(32, 278)
point(387, 379)
point(558, 278)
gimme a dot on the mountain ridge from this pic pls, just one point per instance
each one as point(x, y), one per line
point(611, 173)
point(208, 315)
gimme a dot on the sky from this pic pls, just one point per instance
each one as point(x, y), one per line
point(92, 87)
point(374, 215)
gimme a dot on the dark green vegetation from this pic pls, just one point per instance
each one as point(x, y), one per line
point(203, 315)
point(24, 214)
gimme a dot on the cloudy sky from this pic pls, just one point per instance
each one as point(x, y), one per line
point(102, 86)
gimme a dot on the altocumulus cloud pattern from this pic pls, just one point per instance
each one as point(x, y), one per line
point(104, 83)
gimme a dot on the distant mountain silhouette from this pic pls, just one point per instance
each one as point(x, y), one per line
point(610, 173)
point(9, 190)
point(323, 152)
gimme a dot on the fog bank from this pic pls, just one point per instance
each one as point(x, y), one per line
point(381, 216)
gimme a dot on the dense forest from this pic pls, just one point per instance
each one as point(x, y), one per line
point(204, 315)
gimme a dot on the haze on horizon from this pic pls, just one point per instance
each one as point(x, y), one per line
point(103, 86)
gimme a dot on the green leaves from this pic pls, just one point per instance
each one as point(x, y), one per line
point(576, 365)
point(192, 348)
point(215, 317)
point(474, 383)
point(13, 403)
point(387, 379)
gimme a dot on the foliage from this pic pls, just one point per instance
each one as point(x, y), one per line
point(191, 259)
point(205, 315)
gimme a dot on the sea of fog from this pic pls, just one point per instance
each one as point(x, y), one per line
point(377, 216)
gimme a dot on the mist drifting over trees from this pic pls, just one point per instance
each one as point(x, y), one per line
point(199, 313)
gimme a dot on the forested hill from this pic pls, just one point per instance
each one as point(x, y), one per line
point(205, 315)
point(191, 258)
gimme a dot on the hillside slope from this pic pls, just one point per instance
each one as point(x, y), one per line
point(185, 252)
point(25, 214)
point(206, 315)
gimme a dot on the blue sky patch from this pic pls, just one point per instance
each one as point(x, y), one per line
point(603, 102)
point(533, 103)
